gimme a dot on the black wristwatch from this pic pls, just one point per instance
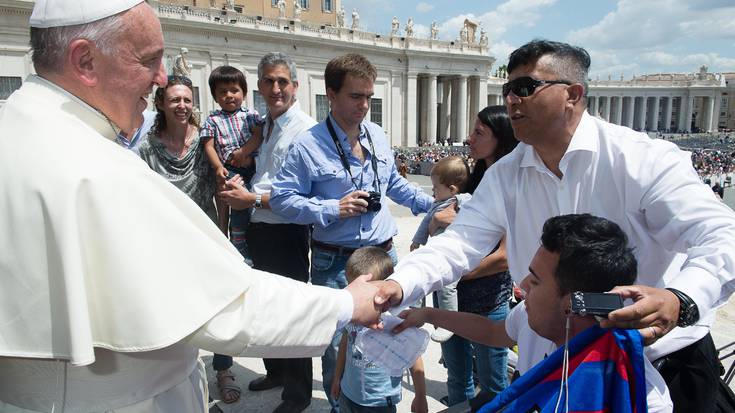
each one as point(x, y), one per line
point(688, 311)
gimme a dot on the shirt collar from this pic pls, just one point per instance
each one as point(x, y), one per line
point(286, 117)
point(583, 140)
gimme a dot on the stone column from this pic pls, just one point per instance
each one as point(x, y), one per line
point(606, 110)
point(454, 119)
point(629, 111)
point(444, 120)
point(461, 110)
point(482, 90)
point(654, 118)
point(642, 114)
point(668, 107)
point(688, 113)
point(716, 112)
point(591, 105)
point(410, 131)
point(709, 109)
point(422, 117)
point(431, 110)
point(619, 110)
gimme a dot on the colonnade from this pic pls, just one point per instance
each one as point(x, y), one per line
point(654, 113)
point(444, 106)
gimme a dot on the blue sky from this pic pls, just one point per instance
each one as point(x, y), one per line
point(628, 37)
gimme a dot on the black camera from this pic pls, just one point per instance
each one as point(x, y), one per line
point(373, 201)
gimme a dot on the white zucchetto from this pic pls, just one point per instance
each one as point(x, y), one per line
point(57, 13)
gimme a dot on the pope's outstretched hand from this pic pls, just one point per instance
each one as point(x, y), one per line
point(366, 312)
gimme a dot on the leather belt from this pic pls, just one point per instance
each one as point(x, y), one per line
point(385, 246)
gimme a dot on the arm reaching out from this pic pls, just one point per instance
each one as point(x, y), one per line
point(473, 327)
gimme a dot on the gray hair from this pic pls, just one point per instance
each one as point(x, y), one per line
point(278, 58)
point(49, 45)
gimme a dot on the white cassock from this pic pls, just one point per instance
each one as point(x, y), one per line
point(111, 278)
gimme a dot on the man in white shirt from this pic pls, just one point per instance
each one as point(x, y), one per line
point(112, 278)
point(569, 162)
point(276, 245)
point(578, 252)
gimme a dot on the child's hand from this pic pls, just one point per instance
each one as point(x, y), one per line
point(221, 177)
point(335, 389)
point(420, 405)
point(414, 246)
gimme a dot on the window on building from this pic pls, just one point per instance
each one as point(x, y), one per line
point(274, 3)
point(8, 85)
point(723, 102)
point(195, 94)
point(376, 111)
point(259, 103)
point(322, 107)
point(304, 4)
point(327, 5)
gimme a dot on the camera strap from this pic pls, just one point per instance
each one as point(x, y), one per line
point(343, 157)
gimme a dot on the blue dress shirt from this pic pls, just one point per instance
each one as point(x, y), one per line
point(312, 180)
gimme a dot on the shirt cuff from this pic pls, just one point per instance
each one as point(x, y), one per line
point(346, 307)
point(700, 286)
point(331, 212)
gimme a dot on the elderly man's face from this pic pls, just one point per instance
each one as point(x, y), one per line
point(540, 117)
point(127, 78)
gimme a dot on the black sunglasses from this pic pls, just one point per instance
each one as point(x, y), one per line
point(525, 86)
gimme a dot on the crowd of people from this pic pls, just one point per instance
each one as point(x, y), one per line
point(269, 235)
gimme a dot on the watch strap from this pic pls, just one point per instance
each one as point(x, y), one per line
point(688, 310)
point(258, 201)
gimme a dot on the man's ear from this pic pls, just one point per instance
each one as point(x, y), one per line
point(331, 94)
point(575, 93)
point(81, 60)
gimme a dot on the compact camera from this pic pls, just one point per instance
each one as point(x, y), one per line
point(598, 304)
point(373, 201)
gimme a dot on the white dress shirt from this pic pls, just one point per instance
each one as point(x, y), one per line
point(682, 236)
point(277, 137)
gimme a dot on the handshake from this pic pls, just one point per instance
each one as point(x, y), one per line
point(372, 298)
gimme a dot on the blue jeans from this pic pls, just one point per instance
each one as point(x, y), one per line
point(328, 269)
point(491, 364)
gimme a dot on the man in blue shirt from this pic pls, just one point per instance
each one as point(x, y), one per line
point(337, 176)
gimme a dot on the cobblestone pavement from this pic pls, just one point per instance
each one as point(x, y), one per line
point(247, 369)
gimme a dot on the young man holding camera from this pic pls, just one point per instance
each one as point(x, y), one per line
point(337, 176)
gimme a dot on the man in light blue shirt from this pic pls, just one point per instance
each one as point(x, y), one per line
point(337, 176)
point(138, 135)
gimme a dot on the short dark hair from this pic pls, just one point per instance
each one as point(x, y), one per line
point(452, 170)
point(496, 118)
point(569, 62)
point(227, 74)
point(350, 64)
point(369, 260)
point(593, 253)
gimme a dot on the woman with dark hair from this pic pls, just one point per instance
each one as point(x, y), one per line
point(173, 149)
point(486, 289)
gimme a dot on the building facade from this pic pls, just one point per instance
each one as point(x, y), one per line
point(427, 90)
point(695, 102)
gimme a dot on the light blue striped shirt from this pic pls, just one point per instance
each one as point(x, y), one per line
point(312, 180)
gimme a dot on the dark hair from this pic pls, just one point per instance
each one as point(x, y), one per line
point(569, 62)
point(227, 74)
point(160, 122)
point(350, 64)
point(593, 253)
point(369, 260)
point(496, 118)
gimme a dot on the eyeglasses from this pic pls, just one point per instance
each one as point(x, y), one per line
point(526, 85)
